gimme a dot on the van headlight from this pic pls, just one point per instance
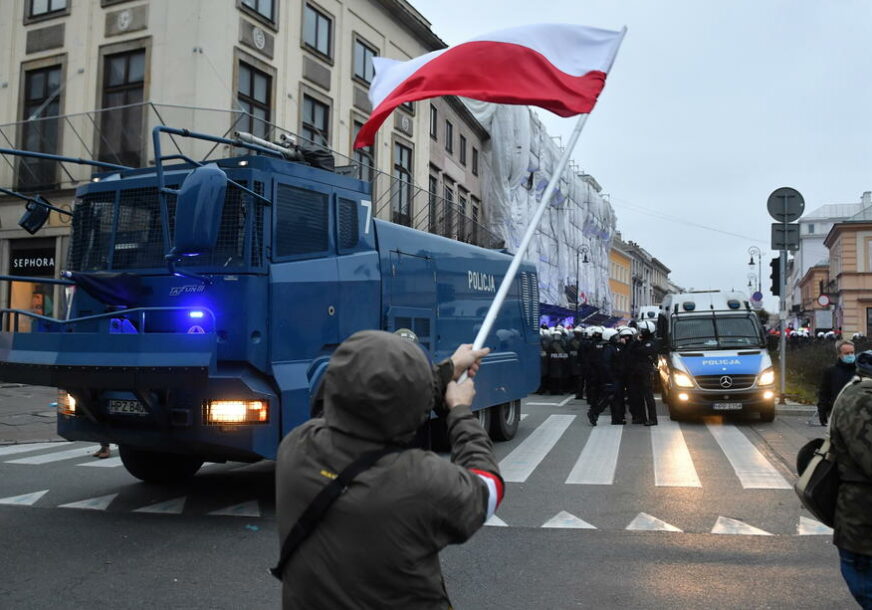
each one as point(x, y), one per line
point(225, 412)
point(682, 380)
point(767, 377)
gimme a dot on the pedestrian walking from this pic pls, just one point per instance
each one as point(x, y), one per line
point(834, 379)
point(378, 544)
point(851, 438)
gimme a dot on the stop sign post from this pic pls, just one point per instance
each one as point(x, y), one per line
point(785, 205)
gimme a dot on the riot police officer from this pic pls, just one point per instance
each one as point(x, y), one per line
point(611, 374)
point(594, 356)
point(544, 348)
point(642, 363)
point(583, 356)
point(558, 363)
point(573, 346)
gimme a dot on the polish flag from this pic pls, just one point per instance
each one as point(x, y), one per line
point(558, 67)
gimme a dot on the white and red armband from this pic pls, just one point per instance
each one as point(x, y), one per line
point(495, 490)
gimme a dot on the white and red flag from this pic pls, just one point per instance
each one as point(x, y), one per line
point(558, 67)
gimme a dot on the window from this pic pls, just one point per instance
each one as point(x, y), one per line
point(811, 229)
point(434, 123)
point(317, 30)
point(39, 130)
point(449, 137)
point(38, 8)
point(401, 195)
point(462, 151)
point(363, 157)
point(461, 218)
point(433, 203)
point(253, 96)
point(475, 218)
point(363, 55)
point(448, 210)
point(121, 125)
point(475, 162)
point(408, 107)
point(301, 221)
point(264, 8)
point(316, 121)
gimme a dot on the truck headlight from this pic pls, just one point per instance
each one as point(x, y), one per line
point(66, 404)
point(682, 380)
point(236, 412)
point(767, 377)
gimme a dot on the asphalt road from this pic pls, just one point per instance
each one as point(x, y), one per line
point(126, 544)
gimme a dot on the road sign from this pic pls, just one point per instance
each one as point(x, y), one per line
point(785, 204)
point(785, 236)
point(823, 300)
point(757, 296)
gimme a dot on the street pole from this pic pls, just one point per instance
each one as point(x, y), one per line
point(577, 286)
point(782, 306)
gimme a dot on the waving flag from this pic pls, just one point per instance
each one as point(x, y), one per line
point(558, 67)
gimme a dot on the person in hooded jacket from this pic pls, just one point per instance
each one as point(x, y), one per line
point(835, 378)
point(378, 544)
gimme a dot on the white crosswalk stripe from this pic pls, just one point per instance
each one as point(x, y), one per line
point(752, 468)
point(523, 460)
point(46, 458)
point(599, 459)
point(29, 447)
point(673, 466)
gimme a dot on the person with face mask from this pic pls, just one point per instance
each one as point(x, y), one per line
point(835, 378)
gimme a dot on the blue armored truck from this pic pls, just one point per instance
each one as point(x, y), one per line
point(208, 298)
point(715, 358)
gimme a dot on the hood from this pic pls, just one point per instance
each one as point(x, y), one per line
point(378, 386)
point(723, 363)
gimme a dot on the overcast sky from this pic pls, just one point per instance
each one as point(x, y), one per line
point(710, 106)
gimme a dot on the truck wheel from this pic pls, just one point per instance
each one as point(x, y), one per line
point(159, 467)
point(767, 414)
point(484, 417)
point(504, 420)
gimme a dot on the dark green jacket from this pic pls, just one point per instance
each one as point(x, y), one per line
point(851, 437)
point(378, 545)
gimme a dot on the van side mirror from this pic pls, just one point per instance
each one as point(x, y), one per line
point(199, 206)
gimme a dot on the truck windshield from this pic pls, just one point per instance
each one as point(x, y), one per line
point(716, 332)
point(123, 231)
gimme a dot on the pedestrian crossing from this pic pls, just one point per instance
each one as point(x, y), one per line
point(673, 465)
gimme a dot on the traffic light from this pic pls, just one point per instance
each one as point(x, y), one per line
point(775, 276)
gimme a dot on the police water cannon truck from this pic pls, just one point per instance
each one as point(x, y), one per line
point(714, 356)
point(209, 296)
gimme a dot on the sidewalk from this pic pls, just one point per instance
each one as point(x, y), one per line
point(27, 415)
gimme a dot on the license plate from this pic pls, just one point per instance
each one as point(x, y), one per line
point(127, 407)
point(727, 406)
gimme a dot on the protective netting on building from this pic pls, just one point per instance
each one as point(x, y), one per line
point(578, 217)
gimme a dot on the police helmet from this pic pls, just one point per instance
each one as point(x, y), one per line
point(856, 336)
point(625, 331)
point(647, 327)
point(864, 363)
point(595, 331)
point(830, 335)
point(608, 333)
point(820, 334)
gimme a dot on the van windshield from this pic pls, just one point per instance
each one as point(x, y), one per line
point(716, 332)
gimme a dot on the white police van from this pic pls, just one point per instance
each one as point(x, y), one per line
point(714, 358)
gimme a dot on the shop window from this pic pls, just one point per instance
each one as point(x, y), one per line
point(31, 258)
point(253, 96)
point(121, 121)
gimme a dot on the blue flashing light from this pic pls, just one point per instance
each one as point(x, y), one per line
point(196, 314)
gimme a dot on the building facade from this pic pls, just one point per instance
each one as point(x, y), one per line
point(91, 78)
point(849, 283)
point(620, 278)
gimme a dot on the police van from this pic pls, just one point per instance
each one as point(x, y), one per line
point(714, 356)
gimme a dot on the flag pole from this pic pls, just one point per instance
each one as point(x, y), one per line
point(525, 242)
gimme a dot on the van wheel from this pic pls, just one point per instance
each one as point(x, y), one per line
point(504, 420)
point(157, 466)
point(767, 414)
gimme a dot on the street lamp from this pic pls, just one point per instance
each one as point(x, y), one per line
point(755, 251)
point(580, 250)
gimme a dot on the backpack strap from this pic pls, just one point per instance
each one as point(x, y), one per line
point(314, 513)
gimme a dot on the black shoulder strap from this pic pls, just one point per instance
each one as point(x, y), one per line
point(325, 498)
